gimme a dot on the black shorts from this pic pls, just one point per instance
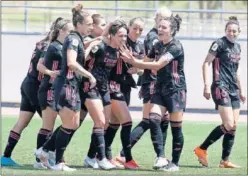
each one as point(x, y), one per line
point(46, 99)
point(147, 91)
point(175, 102)
point(95, 93)
point(82, 98)
point(116, 92)
point(29, 97)
point(68, 97)
point(222, 97)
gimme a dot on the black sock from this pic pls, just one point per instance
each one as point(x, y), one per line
point(213, 136)
point(98, 135)
point(164, 127)
point(177, 142)
point(12, 141)
point(156, 134)
point(62, 140)
point(126, 140)
point(42, 137)
point(49, 145)
point(92, 150)
point(227, 144)
point(137, 132)
point(109, 137)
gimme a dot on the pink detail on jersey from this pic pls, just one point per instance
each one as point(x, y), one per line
point(50, 95)
point(69, 74)
point(217, 69)
point(86, 86)
point(91, 64)
point(175, 71)
point(54, 67)
point(119, 66)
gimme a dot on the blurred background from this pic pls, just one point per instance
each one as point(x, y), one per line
point(25, 22)
point(201, 19)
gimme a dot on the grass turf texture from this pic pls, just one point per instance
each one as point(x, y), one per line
point(194, 134)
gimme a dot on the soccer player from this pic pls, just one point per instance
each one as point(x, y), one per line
point(29, 100)
point(147, 81)
point(170, 89)
point(66, 86)
point(97, 100)
point(226, 91)
point(50, 67)
point(121, 82)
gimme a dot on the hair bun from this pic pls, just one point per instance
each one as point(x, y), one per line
point(77, 9)
point(178, 19)
point(234, 18)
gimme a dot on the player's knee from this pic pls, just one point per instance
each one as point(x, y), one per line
point(229, 125)
point(100, 123)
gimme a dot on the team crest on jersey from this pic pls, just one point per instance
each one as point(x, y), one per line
point(94, 49)
point(75, 42)
point(214, 47)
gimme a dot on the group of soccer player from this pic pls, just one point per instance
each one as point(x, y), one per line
point(86, 66)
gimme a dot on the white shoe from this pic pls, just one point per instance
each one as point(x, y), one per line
point(39, 165)
point(171, 167)
point(160, 162)
point(43, 156)
point(91, 162)
point(105, 164)
point(51, 158)
point(62, 167)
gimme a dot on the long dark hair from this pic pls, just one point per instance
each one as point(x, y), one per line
point(78, 14)
point(57, 27)
point(47, 38)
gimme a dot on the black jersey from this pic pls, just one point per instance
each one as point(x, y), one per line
point(171, 77)
point(40, 49)
point(150, 40)
point(226, 63)
point(52, 61)
point(73, 41)
point(119, 73)
point(103, 59)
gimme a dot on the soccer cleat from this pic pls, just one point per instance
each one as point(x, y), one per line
point(51, 158)
point(43, 156)
point(121, 159)
point(62, 167)
point(202, 156)
point(116, 163)
point(39, 165)
point(228, 164)
point(160, 162)
point(131, 165)
point(7, 161)
point(171, 167)
point(91, 162)
point(105, 164)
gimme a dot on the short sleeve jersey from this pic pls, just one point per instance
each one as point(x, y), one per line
point(73, 41)
point(150, 40)
point(171, 76)
point(39, 52)
point(52, 61)
point(226, 62)
point(103, 59)
point(119, 72)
